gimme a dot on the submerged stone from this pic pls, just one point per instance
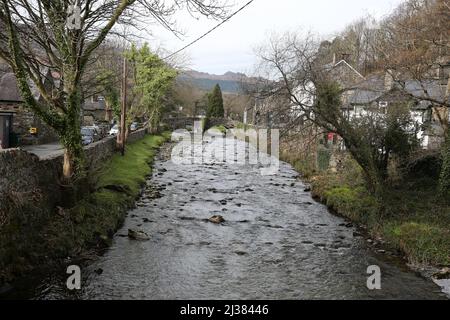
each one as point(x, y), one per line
point(138, 235)
point(216, 219)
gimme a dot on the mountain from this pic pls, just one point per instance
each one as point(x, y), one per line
point(228, 82)
point(229, 76)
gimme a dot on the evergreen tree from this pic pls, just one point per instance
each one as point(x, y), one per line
point(215, 103)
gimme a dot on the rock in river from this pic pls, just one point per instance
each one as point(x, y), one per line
point(216, 219)
point(138, 235)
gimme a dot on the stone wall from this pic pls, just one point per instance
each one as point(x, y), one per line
point(137, 135)
point(27, 182)
point(99, 152)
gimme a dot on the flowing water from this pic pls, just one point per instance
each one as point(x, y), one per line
point(276, 243)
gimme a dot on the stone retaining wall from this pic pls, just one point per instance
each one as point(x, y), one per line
point(27, 182)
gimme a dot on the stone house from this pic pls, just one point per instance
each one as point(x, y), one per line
point(19, 125)
point(94, 110)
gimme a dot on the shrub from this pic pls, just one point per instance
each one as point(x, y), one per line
point(423, 243)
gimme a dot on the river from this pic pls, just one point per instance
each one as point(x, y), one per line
point(276, 243)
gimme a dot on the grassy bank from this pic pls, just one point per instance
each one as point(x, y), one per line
point(92, 222)
point(220, 128)
point(410, 217)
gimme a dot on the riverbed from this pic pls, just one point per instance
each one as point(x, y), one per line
point(276, 243)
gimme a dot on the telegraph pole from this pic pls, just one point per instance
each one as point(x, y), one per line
point(123, 113)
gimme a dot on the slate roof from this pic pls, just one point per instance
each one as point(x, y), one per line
point(8, 88)
point(90, 105)
point(425, 89)
point(368, 90)
point(373, 88)
point(10, 92)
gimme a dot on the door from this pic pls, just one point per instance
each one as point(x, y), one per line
point(5, 128)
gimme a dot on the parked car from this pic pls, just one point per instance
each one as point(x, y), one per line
point(114, 130)
point(97, 132)
point(87, 136)
point(134, 126)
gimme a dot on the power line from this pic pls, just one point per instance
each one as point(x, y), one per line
point(210, 31)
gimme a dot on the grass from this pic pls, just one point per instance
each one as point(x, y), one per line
point(423, 243)
point(132, 169)
point(220, 128)
point(95, 219)
point(410, 217)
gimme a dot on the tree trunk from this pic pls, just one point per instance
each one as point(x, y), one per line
point(108, 112)
point(71, 139)
point(444, 179)
point(73, 162)
point(374, 180)
point(373, 174)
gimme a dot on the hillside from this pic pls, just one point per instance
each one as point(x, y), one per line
point(229, 82)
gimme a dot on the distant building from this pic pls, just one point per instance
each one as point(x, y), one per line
point(378, 92)
point(94, 110)
point(19, 125)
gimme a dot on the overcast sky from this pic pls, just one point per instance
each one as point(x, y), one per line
point(230, 48)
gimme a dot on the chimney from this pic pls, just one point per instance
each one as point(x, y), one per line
point(345, 56)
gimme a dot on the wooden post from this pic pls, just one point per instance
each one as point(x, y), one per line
point(123, 113)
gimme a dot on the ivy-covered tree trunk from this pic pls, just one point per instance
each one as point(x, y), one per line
point(71, 137)
point(73, 154)
point(373, 174)
point(444, 180)
point(108, 111)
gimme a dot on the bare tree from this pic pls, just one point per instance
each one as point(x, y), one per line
point(41, 35)
point(415, 48)
point(317, 97)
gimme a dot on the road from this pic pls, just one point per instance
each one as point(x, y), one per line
point(44, 151)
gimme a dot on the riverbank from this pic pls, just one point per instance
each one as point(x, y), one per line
point(411, 219)
point(78, 232)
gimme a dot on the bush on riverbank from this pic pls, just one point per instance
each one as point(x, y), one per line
point(90, 224)
point(411, 216)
